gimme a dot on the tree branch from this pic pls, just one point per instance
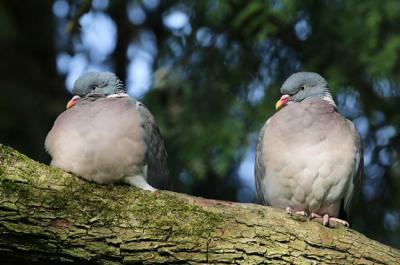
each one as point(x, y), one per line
point(48, 216)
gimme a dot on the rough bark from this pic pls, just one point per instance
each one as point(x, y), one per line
point(48, 216)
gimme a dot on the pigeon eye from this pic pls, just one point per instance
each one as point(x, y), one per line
point(303, 87)
point(93, 87)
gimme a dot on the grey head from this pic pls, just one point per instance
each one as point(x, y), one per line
point(105, 83)
point(303, 85)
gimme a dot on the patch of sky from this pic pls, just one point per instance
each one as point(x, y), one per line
point(175, 47)
point(221, 41)
point(362, 125)
point(98, 35)
point(141, 55)
point(387, 156)
point(151, 4)
point(204, 36)
point(391, 220)
point(77, 65)
point(373, 182)
point(348, 103)
point(177, 21)
point(273, 55)
point(303, 28)
point(139, 77)
point(247, 189)
point(374, 171)
point(369, 146)
point(386, 88)
point(60, 8)
point(136, 13)
point(63, 61)
point(384, 134)
point(377, 118)
point(256, 92)
point(92, 48)
point(100, 5)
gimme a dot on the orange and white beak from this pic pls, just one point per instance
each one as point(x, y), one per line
point(73, 101)
point(282, 101)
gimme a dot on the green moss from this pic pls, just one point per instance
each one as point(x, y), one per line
point(88, 197)
point(17, 172)
point(162, 211)
point(26, 229)
point(8, 187)
point(100, 205)
point(23, 178)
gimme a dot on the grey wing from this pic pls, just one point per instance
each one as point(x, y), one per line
point(259, 168)
point(356, 179)
point(156, 154)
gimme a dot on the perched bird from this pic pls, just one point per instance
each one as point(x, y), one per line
point(309, 157)
point(106, 136)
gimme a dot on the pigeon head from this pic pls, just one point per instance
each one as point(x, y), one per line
point(304, 85)
point(105, 83)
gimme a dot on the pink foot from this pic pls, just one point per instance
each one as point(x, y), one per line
point(291, 211)
point(315, 215)
point(340, 221)
point(326, 219)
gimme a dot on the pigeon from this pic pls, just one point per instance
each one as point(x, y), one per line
point(309, 157)
point(106, 136)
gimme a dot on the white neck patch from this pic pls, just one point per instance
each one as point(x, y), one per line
point(118, 95)
point(328, 98)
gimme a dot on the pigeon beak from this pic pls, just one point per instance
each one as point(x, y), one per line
point(72, 101)
point(282, 101)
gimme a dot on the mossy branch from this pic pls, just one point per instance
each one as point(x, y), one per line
point(48, 216)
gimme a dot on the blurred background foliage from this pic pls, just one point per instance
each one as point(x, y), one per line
point(210, 72)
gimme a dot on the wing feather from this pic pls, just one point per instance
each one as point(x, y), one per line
point(354, 188)
point(156, 154)
point(259, 168)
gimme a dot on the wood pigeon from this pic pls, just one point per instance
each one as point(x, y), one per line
point(309, 157)
point(106, 136)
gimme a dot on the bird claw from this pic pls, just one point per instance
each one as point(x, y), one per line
point(314, 215)
point(340, 221)
point(326, 219)
point(291, 212)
